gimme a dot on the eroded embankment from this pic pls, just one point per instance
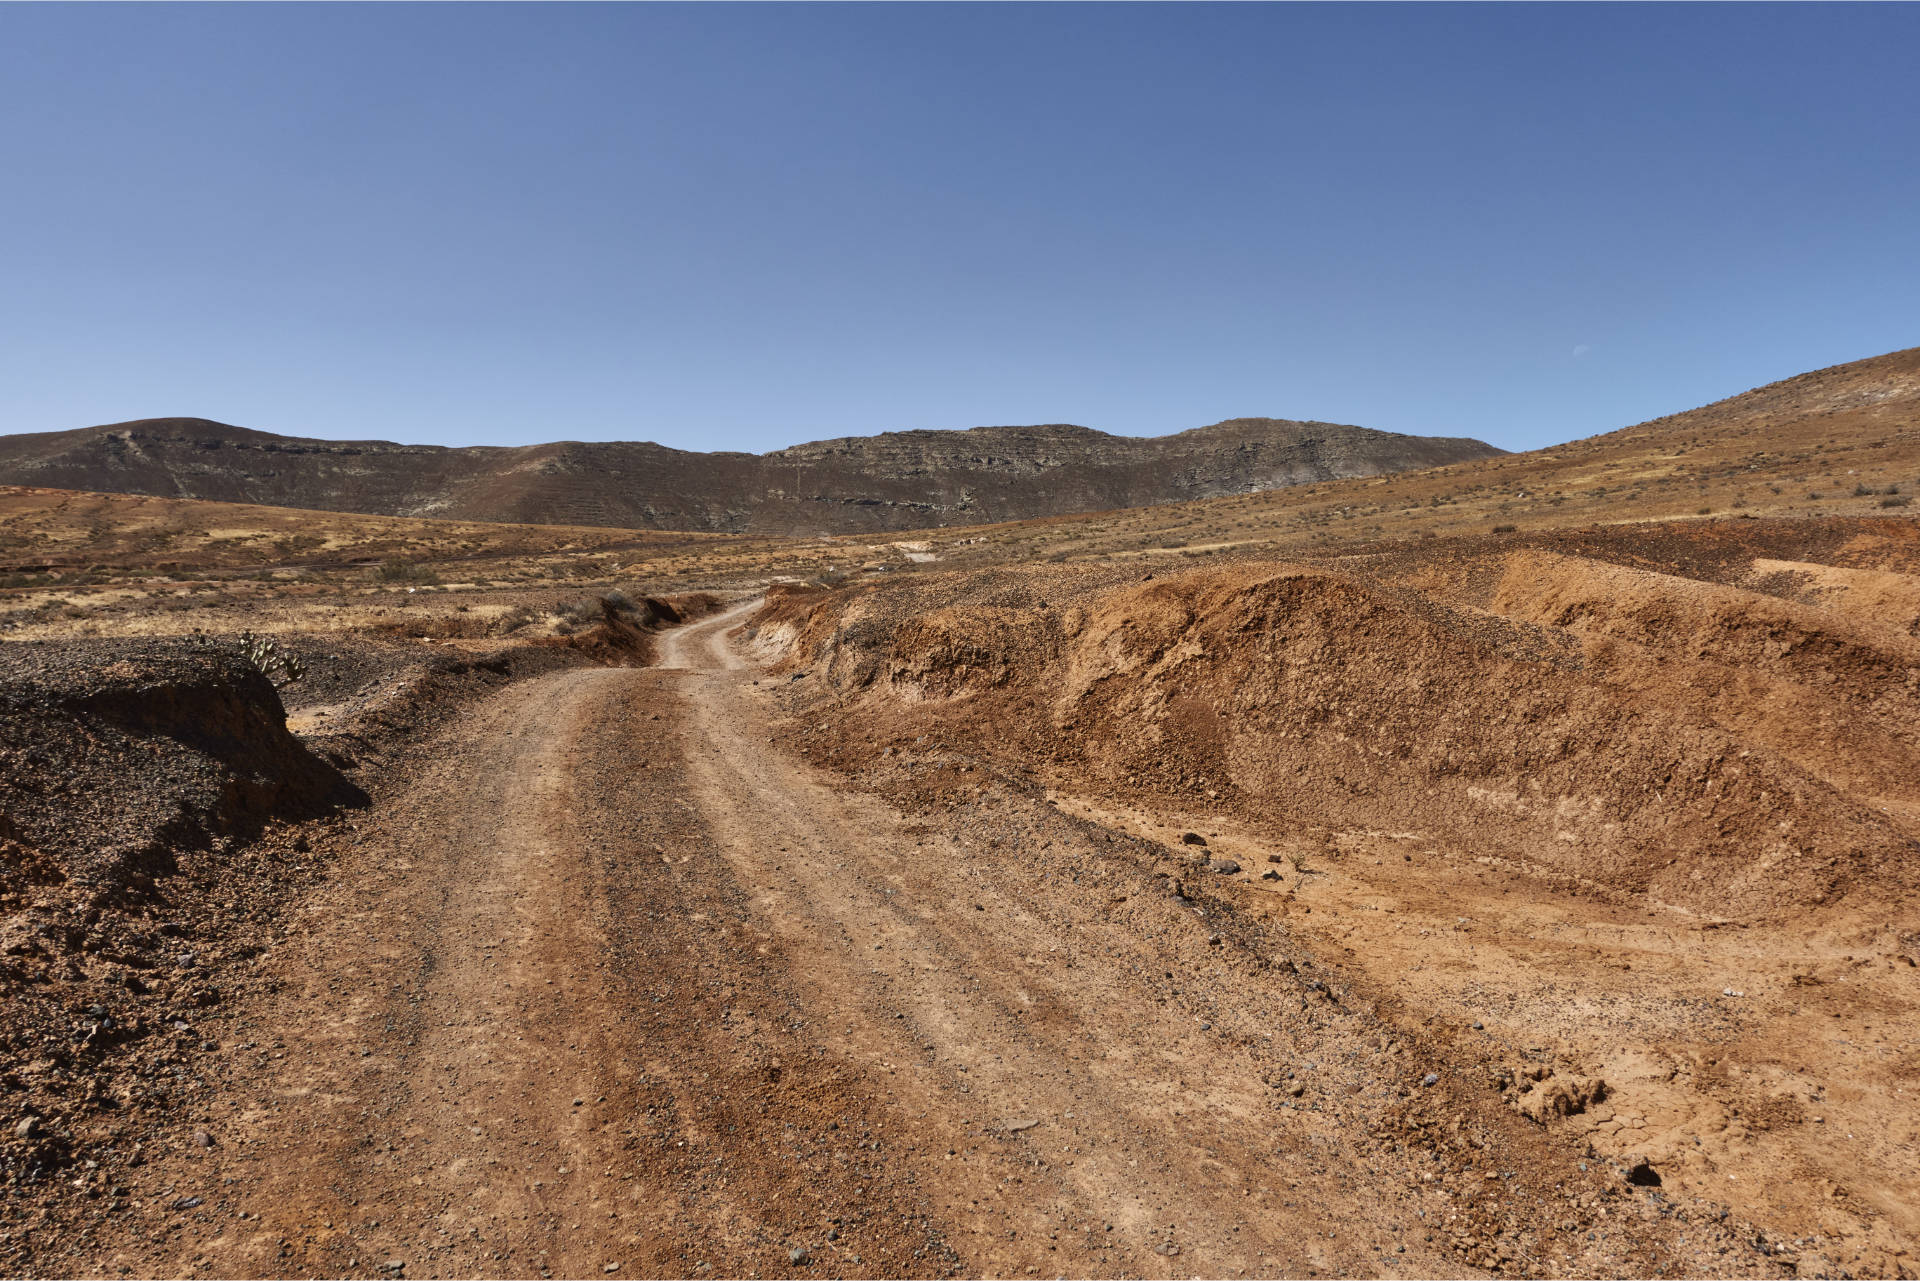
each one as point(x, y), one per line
point(1698, 745)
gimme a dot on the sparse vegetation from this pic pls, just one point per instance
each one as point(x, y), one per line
point(409, 572)
point(276, 662)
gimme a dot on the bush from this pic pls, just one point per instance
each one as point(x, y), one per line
point(514, 619)
point(404, 571)
point(1901, 501)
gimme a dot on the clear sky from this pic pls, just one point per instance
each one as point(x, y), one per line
point(736, 226)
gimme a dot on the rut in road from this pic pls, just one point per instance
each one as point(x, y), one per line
point(621, 985)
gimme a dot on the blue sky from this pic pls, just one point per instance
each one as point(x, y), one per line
point(737, 226)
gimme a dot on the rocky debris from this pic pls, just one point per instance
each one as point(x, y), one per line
point(116, 754)
point(1192, 838)
point(1542, 1093)
point(1224, 866)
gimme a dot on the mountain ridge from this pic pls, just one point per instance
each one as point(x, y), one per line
point(850, 484)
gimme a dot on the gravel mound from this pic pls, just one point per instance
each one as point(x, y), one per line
point(114, 755)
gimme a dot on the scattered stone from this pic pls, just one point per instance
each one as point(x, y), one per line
point(29, 1128)
point(1192, 838)
point(798, 1257)
point(1296, 1088)
point(1542, 1096)
point(1641, 1174)
point(202, 1139)
point(1015, 1127)
point(1225, 866)
point(1430, 1079)
point(1269, 875)
point(394, 1265)
point(188, 960)
point(185, 1202)
point(610, 1267)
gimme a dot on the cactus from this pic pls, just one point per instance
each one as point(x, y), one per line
point(276, 662)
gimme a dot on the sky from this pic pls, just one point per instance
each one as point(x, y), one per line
point(740, 226)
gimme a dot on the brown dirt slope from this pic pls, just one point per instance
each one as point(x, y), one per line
point(1843, 441)
point(1697, 744)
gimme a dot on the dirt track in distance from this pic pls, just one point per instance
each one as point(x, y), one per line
point(622, 986)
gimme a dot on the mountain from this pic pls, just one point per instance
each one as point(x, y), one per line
point(855, 484)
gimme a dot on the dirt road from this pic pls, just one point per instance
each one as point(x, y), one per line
point(621, 985)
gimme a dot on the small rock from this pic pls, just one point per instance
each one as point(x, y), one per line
point(1269, 875)
point(1478, 1025)
point(185, 1202)
point(1192, 838)
point(202, 1139)
point(1166, 1248)
point(29, 1128)
point(610, 1267)
point(1296, 1088)
point(394, 1265)
point(1430, 1079)
point(1015, 1127)
point(188, 960)
point(1642, 1175)
point(798, 1257)
point(1225, 866)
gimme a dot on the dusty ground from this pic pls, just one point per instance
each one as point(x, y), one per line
point(612, 985)
point(1255, 887)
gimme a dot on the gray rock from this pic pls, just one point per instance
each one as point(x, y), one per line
point(29, 1128)
point(1192, 838)
point(798, 1256)
point(1431, 1078)
point(1225, 866)
point(202, 1139)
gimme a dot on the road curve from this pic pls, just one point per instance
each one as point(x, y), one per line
point(620, 985)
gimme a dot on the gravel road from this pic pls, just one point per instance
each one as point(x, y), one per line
point(620, 985)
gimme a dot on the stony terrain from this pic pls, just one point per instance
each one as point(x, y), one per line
point(895, 481)
point(1399, 876)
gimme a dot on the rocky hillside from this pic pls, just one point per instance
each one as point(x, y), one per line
point(894, 481)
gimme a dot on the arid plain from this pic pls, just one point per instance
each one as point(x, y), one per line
point(1505, 868)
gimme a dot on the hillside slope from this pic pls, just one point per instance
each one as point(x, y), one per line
point(895, 481)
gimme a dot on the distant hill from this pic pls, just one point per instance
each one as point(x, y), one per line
point(856, 484)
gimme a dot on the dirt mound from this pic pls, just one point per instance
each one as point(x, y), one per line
point(1557, 733)
point(116, 755)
